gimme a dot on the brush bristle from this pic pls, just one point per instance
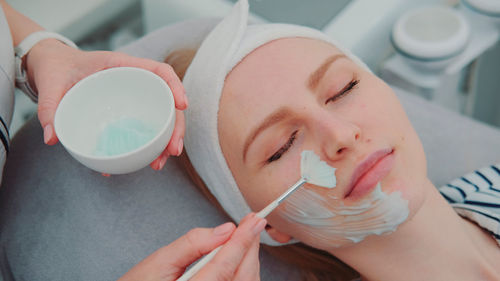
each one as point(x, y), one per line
point(315, 171)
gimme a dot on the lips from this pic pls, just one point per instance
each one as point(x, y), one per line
point(369, 172)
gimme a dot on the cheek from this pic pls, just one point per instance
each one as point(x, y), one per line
point(262, 188)
point(409, 173)
point(388, 122)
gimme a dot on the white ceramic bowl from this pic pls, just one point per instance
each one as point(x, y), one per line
point(116, 120)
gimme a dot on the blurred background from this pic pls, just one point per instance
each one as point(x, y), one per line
point(454, 65)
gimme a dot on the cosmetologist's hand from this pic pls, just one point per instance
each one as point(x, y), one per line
point(53, 68)
point(237, 260)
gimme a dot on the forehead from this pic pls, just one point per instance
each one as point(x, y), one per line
point(271, 76)
point(278, 60)
point(275, 68)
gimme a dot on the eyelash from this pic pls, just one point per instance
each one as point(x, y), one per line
point(347, 89)
point(284, 148)
point(292, 138)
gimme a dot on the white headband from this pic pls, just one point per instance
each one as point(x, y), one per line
point(224, 47)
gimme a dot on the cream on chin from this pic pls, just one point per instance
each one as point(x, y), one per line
point(326, 219)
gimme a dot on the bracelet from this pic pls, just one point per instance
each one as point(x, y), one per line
point(23, 48)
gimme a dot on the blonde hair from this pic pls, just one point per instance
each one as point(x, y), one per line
point(314, 264)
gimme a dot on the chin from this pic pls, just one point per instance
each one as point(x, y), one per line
point(413, 189)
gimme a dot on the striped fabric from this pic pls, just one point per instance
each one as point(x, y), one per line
point(4, 143)
point(476, 196)
point(4, 135)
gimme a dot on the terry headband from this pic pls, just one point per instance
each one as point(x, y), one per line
point(223, 48)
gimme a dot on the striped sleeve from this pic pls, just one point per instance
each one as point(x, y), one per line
point(476, 196)
point(4, 135)
point(4, 145)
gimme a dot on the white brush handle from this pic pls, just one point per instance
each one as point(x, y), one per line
point(268, 209)
point(193, 270)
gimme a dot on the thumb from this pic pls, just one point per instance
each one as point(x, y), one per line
point(47, 105)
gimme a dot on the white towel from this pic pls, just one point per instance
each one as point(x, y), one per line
point(226, 45)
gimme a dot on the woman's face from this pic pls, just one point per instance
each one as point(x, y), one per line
point(298, 94)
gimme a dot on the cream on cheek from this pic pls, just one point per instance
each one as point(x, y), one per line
point(325, 219)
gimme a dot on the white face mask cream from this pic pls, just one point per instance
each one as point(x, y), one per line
point(326, 219)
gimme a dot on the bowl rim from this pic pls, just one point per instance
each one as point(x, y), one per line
point(425, 50)
point(170, 119)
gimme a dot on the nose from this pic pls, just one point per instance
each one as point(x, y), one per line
point(337, 136)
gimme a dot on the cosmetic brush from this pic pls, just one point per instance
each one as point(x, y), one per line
point(312, 170)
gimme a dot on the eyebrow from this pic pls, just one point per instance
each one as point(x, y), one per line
point(318, 74)
point(279, 115)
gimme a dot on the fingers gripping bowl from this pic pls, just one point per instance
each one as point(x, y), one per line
point(116, 120)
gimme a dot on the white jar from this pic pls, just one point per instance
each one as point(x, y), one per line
point(481, 12)
point(431, 37)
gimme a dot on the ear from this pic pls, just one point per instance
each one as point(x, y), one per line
point(277, 235)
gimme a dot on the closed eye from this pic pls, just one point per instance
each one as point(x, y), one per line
point(347, 89)
point(283, 149)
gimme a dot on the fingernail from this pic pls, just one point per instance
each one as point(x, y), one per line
point(179, 147)
point(163, 160)
point(47, 133)
point(259, 226)
point(155, 164)
point(185, 99)
point(223, 229)
point(247, 218)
